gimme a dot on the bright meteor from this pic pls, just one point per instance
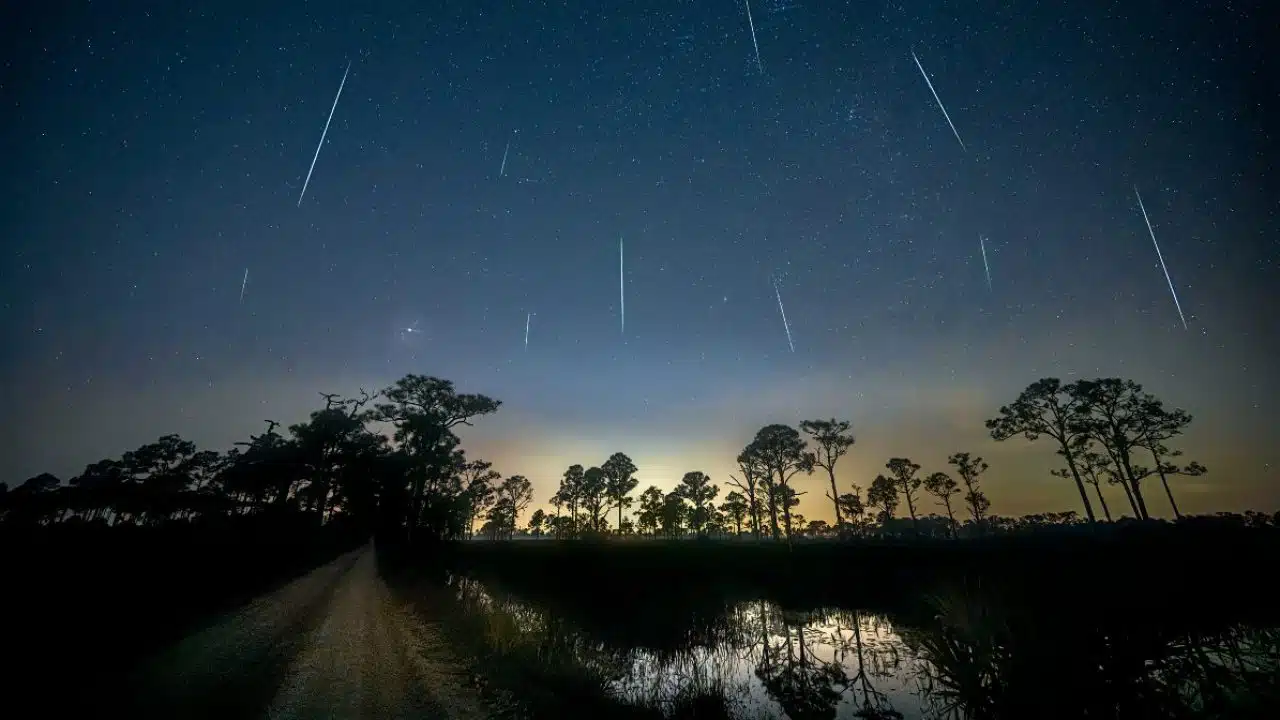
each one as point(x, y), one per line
point(323, 134)
point(939, 100)
point(786, 325)
point(1160, 255)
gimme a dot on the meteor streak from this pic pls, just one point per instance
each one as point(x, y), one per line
point(982, 242)
point(243, 283)
point(528, 319)
point(783, 311)
point(323, 134)
point(939, 100)
point(502, 172)
point(1160, 255)
point(752, 24)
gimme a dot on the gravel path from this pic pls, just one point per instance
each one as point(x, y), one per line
point(331, 644)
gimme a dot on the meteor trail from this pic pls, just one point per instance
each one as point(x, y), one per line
point(243, 283)
point(752, 24)
point(982, 242)
point(528, 318)
point(323, 134)
point(783, 310)
point(1160, 255)
point(939, 100)
point(502, 172)
point(622, 294)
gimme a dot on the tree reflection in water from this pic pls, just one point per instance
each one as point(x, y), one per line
point(981, 661)
point(968, 657)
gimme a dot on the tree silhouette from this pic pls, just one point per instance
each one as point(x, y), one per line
point(478, 482)
point(1122, 418)
point(903, 473)
point(651, 506)
point(33, 501)
point(593, 495)
point(570, 493)
point(536, 522)
point(752, 471)
point(851, 507)
point(1093, 467)
point(883, 495)
point(735, 509)
point(833, 441)
point(788, 499)
point(424, 410)
point(330, 466)
point(1193, 469)
point(942, 486)
point(1049, 409)
point(970, 469)
point(265, 471)
point(674, 514)
point(1161, 426)
point(513, 495)
point(780, 451)
point(619, 473)
point(698, 490)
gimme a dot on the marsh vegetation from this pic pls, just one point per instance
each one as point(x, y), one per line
point(840, 630)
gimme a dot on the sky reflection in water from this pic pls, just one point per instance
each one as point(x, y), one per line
point(767, 662)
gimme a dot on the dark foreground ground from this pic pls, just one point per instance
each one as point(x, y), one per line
point(219, 632)
point(237, 620)
point(333, 643)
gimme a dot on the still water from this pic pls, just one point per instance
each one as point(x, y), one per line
point(756, 660)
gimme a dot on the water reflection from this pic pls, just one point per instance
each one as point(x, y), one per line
point(965, 658)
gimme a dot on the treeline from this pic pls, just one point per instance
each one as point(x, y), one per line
point(334, 467)
point(1102, 429)
point(417, 483)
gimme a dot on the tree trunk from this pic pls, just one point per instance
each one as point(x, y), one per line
point(970, 499)
point(1141, 501)
point(1084, 496)
point(1127, 468)
point(831, 475)
point(755, 513)
point(1102, 501)
point(1124, 484)
point(786, 518)
point(911, 510)
point(1164, 480)
point(950, 517)
point(773, 513)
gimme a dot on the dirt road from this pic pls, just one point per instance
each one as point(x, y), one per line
point(332, 644)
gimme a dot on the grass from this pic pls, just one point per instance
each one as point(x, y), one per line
point(529, 663)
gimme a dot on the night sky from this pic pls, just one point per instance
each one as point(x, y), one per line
point(151, 156)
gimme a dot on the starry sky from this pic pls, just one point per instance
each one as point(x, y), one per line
point(154, 152)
